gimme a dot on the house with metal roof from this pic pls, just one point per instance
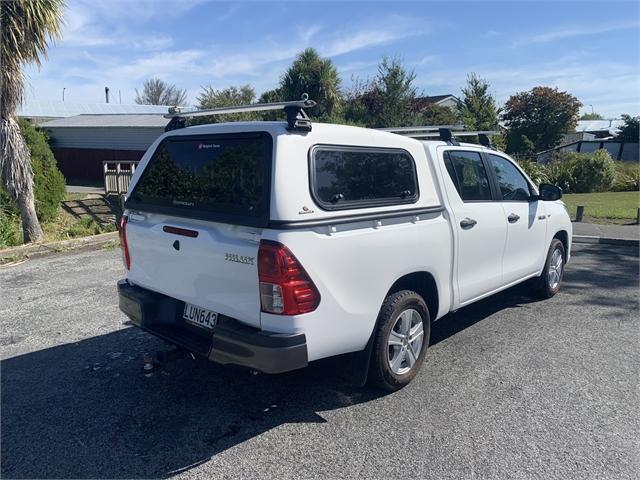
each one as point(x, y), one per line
point(39, 111)
point(83, 142)
point(448, 100)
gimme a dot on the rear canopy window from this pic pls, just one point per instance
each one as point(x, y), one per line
point(224, 178)
point(352, 177)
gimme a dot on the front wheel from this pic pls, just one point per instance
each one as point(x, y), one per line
point(548, 283)
point(401, 340)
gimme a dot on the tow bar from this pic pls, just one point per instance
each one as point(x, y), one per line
point(162, 358)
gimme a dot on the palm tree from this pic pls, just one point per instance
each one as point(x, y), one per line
point(26, 27)
point(310, 73)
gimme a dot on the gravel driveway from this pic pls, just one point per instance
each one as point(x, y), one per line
point(511, 388)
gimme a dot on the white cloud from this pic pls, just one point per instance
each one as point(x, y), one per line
point(611, 87)
point(575, 31)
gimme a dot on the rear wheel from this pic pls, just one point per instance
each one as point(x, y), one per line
point(401, 340)
point(548, 283)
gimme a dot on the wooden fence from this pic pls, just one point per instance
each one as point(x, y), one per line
point(117, 175)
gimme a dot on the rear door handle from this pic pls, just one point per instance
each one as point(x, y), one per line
point(513, 218)
point(468, 223)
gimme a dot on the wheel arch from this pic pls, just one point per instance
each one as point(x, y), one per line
point(563, 236)
point(424, 284)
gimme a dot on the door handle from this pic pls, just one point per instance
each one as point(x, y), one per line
point(513, 218)
point(468, 223)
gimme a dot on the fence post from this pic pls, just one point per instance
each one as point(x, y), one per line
point(579, 213)
point(638, 217)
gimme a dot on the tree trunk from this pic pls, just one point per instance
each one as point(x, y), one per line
point(17, 176)
point(31, 230)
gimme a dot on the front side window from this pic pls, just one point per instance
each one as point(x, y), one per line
point(468, 175)
point(352, 177)
point(513, 185)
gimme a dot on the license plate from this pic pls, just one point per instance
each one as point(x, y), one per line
point(199, 316)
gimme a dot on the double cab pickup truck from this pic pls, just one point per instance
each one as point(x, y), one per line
point(270, 245)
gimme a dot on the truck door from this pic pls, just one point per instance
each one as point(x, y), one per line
point(525, 218)
point(478, 220)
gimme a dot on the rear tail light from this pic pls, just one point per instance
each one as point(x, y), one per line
point(285, 286)
point(126, 258)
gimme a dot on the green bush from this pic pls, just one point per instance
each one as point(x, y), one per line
point(48, 181)
point(582, 172)
point(627, 177)
point(10, 234)
point(594, 172)
point(560, 172)
point(536, 171)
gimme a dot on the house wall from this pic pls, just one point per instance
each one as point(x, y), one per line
point(448, 102)
point(86, 163)
point(80, 151)
point(112, 138)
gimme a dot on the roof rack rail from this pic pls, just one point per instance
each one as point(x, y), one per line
point(297, 119)
point(445, 133)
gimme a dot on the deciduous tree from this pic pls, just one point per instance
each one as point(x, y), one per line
point(591, 116)
point(228, 97)
point(159, 92)
point(386, 101)
point(538, 119)
point(629, 132)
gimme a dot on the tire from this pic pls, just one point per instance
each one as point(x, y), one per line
point(395, 358)
point(548, 284)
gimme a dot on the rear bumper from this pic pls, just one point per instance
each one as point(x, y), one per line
point(230, 343)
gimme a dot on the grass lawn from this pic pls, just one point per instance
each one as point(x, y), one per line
point(607, 207)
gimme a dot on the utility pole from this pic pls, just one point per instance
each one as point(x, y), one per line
point(106, 94)
point(63, 89)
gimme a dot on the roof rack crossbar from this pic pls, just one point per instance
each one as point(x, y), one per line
point(297, 119)
point(430, 128)
point(446, 133)
point(436, 134)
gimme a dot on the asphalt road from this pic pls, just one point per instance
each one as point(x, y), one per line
point(511, 388)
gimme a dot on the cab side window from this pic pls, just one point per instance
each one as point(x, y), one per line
point(468, 175)
point(513, 185)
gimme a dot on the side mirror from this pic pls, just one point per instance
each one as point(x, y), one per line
point(550, 192)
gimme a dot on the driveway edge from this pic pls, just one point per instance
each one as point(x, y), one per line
point(41, 249)
point(606, 241)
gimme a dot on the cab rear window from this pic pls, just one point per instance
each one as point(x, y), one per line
point(219, 177)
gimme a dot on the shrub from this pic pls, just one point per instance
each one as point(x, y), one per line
point(48, 181)
point(560, 172)
point(594, 172)
point(536, 171)
point(627, 177)
point(582, 172)
point(10, 234)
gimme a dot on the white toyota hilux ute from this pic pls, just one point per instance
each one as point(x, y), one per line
point(260, 245)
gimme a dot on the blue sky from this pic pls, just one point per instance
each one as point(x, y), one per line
point(589, 48)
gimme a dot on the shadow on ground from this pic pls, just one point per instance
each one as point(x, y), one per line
point(85, 410)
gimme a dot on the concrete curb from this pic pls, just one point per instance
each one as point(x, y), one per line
point(42, 249)
point(606, 241)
